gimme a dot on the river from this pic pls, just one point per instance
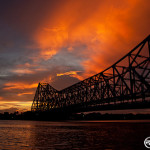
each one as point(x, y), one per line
point(76, 135)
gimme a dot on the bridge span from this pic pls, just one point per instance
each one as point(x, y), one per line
point(124, 85)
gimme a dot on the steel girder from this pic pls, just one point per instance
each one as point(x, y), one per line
point(127, 80)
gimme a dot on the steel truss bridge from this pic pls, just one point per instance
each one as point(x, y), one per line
point(124, 85)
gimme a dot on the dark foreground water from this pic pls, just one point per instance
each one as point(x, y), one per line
point(40, 135)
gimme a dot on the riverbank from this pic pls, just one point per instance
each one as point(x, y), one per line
point(66, 116)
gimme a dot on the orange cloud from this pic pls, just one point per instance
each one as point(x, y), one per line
point(68, 73)
point(27, 93)
point(48, 53)
point(25, 65)
point(27, 68)
point(11, 85)
point(23, 71)
point(105, 27)
point(50, 40)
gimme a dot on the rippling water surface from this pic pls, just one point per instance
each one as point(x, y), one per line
point(40, 135)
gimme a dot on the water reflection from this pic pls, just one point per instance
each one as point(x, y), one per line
point(39, 135)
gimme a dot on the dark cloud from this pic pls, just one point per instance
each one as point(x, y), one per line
point(25, 16)
point(62, 82)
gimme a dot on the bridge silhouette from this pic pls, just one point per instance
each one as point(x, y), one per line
point(124, 85)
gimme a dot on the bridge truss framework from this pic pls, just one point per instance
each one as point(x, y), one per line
point(127, 80)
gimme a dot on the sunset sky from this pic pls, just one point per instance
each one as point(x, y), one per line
point(62, 42)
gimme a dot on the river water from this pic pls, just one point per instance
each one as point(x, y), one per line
point(84, 135)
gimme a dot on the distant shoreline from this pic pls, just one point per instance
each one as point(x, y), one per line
point(47, 116)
